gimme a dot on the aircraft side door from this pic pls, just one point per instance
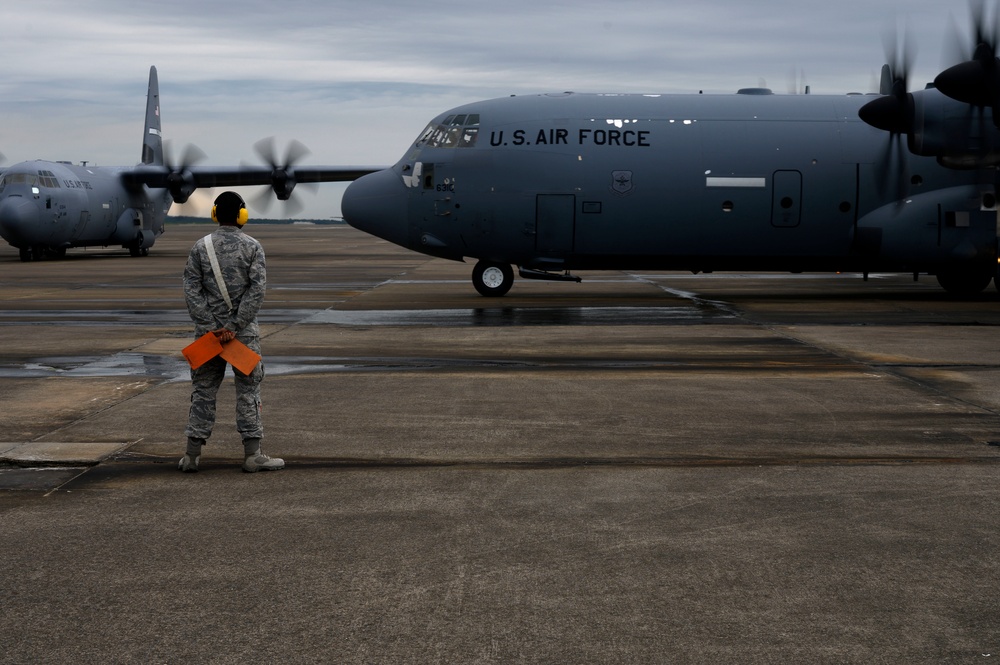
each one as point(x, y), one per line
point(81, 224)
point(110, 215)
point(555, 223)
point(786, 199)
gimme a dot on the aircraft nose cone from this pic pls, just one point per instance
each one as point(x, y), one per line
point(18, 221)
point(376, 204)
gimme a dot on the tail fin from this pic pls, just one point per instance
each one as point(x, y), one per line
point(152, 142)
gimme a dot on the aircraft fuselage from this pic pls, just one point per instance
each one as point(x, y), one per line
point(51, 206)
point(693, 182)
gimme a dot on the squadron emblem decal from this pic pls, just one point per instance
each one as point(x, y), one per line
point(621, 183)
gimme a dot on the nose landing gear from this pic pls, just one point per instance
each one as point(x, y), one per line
point(492, 279)
point(35, 253)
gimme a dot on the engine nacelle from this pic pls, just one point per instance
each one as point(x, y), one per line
point(181, 185)
point(282, 183)
point(959, 135)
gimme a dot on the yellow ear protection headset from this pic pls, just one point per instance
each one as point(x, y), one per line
point(231, 206)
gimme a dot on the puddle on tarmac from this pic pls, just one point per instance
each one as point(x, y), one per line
point(119, 364)
point(146, 317)
point(172, 368)
point(522, 316)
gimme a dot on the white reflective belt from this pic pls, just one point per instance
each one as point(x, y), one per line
point(210, 248)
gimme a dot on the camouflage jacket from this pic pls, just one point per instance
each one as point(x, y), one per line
point(241, 259)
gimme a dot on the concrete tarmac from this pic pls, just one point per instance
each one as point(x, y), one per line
point(655, 467)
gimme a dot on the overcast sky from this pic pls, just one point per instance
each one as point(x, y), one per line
point(357, 81)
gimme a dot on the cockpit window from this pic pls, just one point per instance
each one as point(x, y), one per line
point(455, 131)
point(18, 179)
point(47, 179)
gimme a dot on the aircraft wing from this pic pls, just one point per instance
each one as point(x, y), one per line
point(183, 181)
point(263, 175)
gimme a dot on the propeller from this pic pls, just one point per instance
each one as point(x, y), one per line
point(893, 112)
point(197, 205)
point(797, 82)
point(179, 181)
point(283, 180)
point(976, 80)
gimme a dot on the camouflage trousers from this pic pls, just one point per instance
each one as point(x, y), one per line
point(205, 387)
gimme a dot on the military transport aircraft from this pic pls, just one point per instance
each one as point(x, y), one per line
point(902, 182)
point(47, 207)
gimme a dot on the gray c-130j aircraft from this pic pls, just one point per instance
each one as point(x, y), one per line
point(901, 182)
point(48, 207)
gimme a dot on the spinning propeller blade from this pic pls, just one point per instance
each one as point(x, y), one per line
point(283, 182)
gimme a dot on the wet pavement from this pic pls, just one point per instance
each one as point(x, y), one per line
point(644, 467)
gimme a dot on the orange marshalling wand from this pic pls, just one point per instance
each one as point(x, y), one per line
point(236, 353)
point(240, 356)
point(202, 350)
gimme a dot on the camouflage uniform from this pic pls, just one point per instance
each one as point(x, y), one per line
point(241, 259)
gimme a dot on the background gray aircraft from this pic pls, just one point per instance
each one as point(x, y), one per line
point(753, 181)
point(48, 207)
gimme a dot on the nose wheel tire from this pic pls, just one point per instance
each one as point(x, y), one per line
point(492, 279)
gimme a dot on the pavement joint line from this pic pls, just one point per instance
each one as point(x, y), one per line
point(542, 463)
point(66, 482)
point(60, 453)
